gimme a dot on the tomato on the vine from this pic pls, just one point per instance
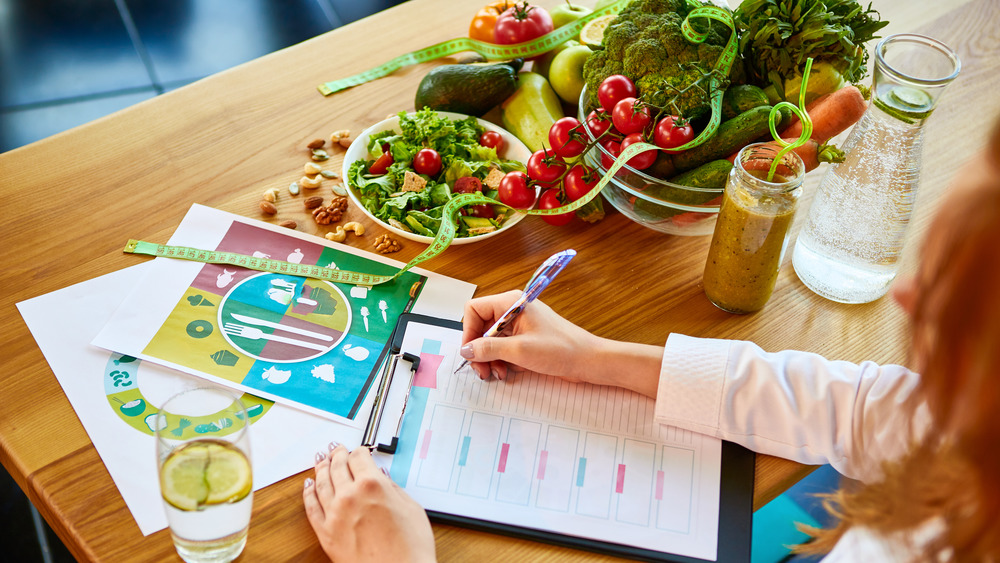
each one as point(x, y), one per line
point(467, 185)
point(521, 22)
point(550, 200)
point(579, 181)
point(482, 24)
point(630, 116)
point(427, 161)
point(565, 137)
point(492, 139)
point(642, 160)
point(598, 121)
point(381, 164)
point(514, 191)
point(672, 131)
point(613, 89)
point(542, 171)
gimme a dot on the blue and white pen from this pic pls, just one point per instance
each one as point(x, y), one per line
point(541, 279)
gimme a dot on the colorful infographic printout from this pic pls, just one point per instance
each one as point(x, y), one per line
point(313, 344)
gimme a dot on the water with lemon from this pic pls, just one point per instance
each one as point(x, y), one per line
point(207, 489)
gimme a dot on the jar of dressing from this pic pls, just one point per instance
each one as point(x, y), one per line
point(751, 233)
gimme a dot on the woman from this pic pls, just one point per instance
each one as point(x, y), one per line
point(926, 448)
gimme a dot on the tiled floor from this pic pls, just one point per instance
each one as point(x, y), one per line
point(66, 62)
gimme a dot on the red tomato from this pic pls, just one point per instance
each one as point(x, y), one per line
point(467, 185)
point(565, 135)
point(614, 88)
point(550, 200)
point(381, 164)
point(523, 22)
point(614, 148)
point(579, 181)
point(672, 131)
point(481, 26)
point(427, 161)
point(598, 121)
point(514, 190)
point(492, 139)
point(483, 210)
point(542, 171)
point(630, 117)
point(642, 160)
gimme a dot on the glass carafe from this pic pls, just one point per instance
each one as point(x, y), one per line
point(849, 247)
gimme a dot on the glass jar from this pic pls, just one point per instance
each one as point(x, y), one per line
point(751, 233)
point(849, 246)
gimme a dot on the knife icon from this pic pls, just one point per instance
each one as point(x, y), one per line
point(279, 326)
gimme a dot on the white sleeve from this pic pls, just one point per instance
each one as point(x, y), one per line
point(791, 404)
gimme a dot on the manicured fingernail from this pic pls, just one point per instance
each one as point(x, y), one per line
point(309, 482)
point(385, 471)
point(466, 351)
point(333, 445)
point(320, 456)
point(495, 374)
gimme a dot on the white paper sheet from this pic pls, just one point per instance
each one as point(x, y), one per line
point(180, 316)
point(284, 440)
point(543, 453)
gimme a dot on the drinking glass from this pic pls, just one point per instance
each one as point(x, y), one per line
point(204, 469)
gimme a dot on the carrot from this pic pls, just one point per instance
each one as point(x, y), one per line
point(831, 114)
point(811, 152)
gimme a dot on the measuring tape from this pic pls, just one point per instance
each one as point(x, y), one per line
point(491, 51)
point(447, 231)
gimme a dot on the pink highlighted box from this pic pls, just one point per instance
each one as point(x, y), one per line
point(543, 459)
point(620, 482)
point(504, 450)
point(425, 444)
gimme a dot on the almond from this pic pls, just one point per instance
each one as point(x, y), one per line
point(313, 202)
point(268, 207)
point(316, 144)
point(288, 224)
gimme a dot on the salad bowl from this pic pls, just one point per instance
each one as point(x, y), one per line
point(513, 149)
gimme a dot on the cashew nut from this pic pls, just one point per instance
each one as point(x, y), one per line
point(338, 235)
point(271, 195)
point(312, 169)
point(310, 183)
point(358, 228)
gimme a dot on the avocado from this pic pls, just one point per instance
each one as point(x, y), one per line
point(478, 225)
point(472, 89)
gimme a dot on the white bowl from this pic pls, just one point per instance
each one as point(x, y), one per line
point(513, 149)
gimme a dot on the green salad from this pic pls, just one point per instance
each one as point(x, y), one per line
point(393, 199)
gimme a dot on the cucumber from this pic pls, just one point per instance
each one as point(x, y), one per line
point(737, 99)
point(472, 89)
point(732, 135)
point(711, 175)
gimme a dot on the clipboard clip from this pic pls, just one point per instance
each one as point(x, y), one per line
point(375, 419)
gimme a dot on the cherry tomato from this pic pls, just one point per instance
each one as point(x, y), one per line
point(483, 210)
point(613, 89)
point(550, 200)
point(672, 131)
point(427, 161)
point(579, 181)
point(467, 185)
point(543, 172)
point(514, 190)
point(630, 117)
point(520, 23)
point(642, 160)
point(381, 164)
point(614, 148)
point(481, 26)
point(565, 135)
point(492, 139)
point(598, 121)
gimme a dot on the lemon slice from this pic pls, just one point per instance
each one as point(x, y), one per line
point(593, 31)
point(205, 473)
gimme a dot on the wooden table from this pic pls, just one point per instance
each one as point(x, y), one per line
point(71, 201)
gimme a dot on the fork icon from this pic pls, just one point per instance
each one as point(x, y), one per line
point(252, 333)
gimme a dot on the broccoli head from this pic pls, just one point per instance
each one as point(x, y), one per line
point(645, 43)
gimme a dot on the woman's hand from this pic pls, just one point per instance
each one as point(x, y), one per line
point(359, 514)
point(541, 341)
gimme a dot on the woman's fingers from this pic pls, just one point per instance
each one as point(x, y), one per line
point(340, 472)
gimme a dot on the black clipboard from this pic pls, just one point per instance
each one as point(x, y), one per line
point(735, 497)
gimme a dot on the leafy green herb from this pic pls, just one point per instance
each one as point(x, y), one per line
point(777, 36)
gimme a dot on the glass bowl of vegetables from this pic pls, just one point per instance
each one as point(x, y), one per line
point(438, 152)
point(645, 197)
